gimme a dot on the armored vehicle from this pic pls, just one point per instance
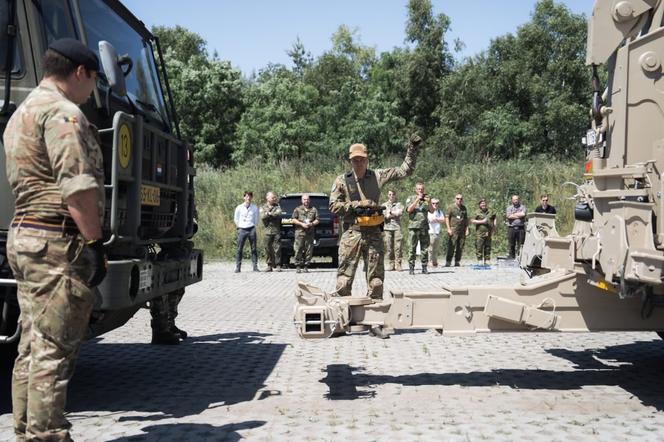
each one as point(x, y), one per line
point(326, 235)
point(149, 171)
point(606, 275)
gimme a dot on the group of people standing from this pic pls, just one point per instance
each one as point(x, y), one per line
point(425, 228)
point(372, 231)
point(304, 219)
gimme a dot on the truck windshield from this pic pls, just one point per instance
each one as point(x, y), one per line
point(102, 23)
point(4, 40)
point(56, 19)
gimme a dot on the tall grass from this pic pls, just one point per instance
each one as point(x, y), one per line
point(218, 192)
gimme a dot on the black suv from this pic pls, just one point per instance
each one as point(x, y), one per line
point(326, 235)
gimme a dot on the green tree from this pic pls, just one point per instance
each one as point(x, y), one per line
point(277, 123)
point(427, 64)
point(208, 94)
point(525, 95)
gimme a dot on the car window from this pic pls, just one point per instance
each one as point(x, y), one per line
point(321, 203)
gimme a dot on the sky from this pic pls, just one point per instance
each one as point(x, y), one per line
point(252, 33)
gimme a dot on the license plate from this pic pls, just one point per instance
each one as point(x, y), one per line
point(591, 138)
point(150, 195)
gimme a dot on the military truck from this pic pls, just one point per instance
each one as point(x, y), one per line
point(608, 273)
point(149, 219)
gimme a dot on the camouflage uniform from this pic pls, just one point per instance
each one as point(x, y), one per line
point(164, 310)
point(363, 242)
point(392, 234)
point(483, 234)
point(418, 231)
point(52, 153)
point(458, 217)
point(271, 217)
point(304, 238)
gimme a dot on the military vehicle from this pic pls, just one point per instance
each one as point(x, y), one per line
point(607, 274)
point(149, 171)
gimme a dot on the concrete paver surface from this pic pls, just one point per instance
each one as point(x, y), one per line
point(244, 373)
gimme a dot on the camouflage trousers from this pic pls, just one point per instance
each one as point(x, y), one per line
point(455, 243)
point(393, 240)
point(50, 270)
point(483, 247)
point(272, 242)
point(304, 248)
point(421, 236)
point(164, 310)
point(366, 244)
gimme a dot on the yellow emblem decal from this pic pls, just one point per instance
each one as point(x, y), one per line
point(124, 146)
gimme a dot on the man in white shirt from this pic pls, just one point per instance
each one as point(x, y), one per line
point(436, 219)
point(246, 218)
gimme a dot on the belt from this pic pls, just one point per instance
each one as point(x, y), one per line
point(358, 228)
point(516, 227)
point(56, 223)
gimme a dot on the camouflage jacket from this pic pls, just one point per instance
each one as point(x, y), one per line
point(418, 218)
point(52, 152)
point(340, 202)
point(271, 217)
point(484, 230)
point(306, 216)
point(392, 213)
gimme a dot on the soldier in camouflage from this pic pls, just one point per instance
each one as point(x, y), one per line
point(352, 194)
point(392, 231)
point(54, 245)
point(485, 224)
point(270, 214)
point(418, 207)
point(456, 218)
point(305, 220)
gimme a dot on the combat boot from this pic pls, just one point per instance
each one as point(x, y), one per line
point(397, 267)
point(411, 270)
point(165, 338)
point(424, 270)
point(237, 267)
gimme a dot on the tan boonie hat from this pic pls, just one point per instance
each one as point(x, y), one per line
point(357, 150)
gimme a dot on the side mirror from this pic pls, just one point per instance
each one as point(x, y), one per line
point(112, 66)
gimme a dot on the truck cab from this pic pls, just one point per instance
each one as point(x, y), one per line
point(149, 220)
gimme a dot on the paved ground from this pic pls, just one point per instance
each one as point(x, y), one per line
point(245, 374)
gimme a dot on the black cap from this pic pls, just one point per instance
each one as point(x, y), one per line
point(76, 52)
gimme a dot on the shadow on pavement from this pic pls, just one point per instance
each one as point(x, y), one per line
point(168, 432)
point(634, 367)
point(173, 381)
